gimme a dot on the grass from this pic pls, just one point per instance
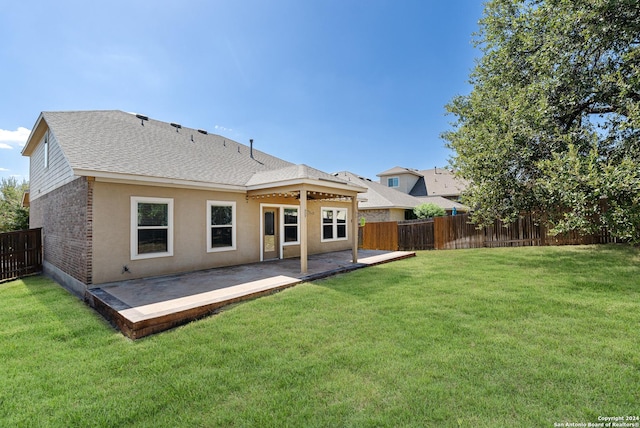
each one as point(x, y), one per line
point(472, 338)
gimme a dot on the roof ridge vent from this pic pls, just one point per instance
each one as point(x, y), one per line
point(176, 125)
point(202, 131)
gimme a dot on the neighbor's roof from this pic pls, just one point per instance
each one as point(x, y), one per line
point(396, 170)
point(379, 196)
point(443, 202)
point(438, 182)
point(116, 144)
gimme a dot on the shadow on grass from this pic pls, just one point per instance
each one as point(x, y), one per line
point(599, 268)
point(612, 267)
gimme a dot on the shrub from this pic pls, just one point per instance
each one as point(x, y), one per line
point(429, 210)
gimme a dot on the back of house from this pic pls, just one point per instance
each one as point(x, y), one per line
point(122, 196)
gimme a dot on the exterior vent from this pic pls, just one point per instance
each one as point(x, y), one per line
point(176, 125)
point(202, 131)
point(142, 118)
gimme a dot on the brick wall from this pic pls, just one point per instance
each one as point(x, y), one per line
point(374, 216)
point(66, 217)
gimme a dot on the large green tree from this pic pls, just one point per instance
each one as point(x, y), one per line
point(13, 216)
point(552, 124)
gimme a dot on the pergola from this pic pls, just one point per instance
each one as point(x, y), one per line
point(312, 188)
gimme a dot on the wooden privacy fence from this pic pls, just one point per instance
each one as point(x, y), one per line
point(416, 235)
point(379, 236)
point(20, 253)
point(457, 231)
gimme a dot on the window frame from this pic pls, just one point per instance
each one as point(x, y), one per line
point(234, 242)
point(135, 201)
point(334, 224)
point(392, 180)
point(283, 225)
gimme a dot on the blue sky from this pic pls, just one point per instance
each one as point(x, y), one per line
point(357, 85)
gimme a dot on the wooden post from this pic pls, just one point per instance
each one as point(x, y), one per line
point(354, 228)
point(303, 230)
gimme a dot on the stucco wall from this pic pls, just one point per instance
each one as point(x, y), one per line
point(405, 181)
point(112, 231)
point(314, 227)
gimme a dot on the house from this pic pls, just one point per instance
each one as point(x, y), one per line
point(382, 203)
point(425, 183)
point(123, 196)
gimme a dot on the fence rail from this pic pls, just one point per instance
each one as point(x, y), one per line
point(453, 232)
point(20, 253)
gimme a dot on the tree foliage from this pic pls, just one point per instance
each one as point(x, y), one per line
point(428, 210)
point(13, 216)
point(552, 125)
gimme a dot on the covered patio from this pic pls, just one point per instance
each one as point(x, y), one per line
point(141, 307)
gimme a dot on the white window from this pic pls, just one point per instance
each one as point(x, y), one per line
point(151, 227)
point(334, 224)
point(46, 149)
point(291, 223)
point(221, 228)
point(393, 182)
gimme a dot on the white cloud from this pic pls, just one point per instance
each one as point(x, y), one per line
point(19, 137)
point(222, 128)
point(3, 169)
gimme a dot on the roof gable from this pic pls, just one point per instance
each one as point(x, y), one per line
point(398, 170)
point(293, 173)
point(378, 195)
point(123, 144)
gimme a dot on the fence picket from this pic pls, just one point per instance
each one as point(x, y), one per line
point(453, 232)
point(20, 253)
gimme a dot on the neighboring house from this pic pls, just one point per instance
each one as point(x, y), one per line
point(382, 203)
point(425, 183)
point(121, 196)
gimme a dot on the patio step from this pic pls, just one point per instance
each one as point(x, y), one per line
point(141, 321)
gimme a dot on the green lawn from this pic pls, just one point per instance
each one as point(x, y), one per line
point(472, 338)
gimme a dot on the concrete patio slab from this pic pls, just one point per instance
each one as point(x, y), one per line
point(140, 307)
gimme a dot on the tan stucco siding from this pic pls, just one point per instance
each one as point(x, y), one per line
point(405, 181)
point(396, 214)
point(112, 232)
point(314, 227)
point(43, 179)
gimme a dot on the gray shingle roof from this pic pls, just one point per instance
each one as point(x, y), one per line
point(397, 170)
point(380, 196)
point(116, 142)
point(440, 182)
point(442, 202)
point(294, 172)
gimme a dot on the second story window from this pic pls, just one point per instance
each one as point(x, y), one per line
point(46, 150)
point(392, 182)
